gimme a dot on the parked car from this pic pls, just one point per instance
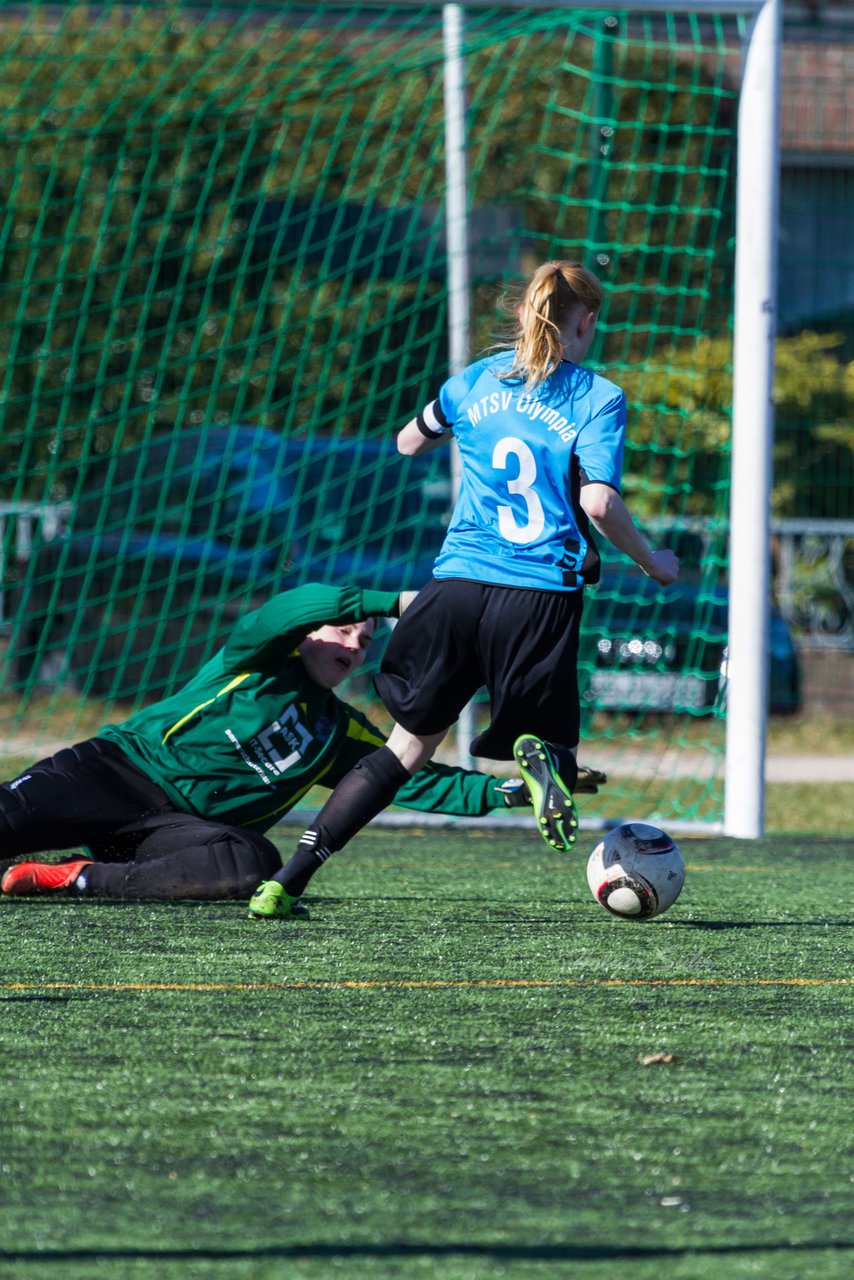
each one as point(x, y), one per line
point(173, 538)
point(646, 648)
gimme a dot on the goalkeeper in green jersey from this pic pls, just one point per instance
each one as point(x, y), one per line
point(173, 803)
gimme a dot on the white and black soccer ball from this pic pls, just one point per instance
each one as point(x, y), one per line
point(636, 871)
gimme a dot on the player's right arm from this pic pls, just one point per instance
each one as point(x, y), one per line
point(436, 420)
point(411, 441)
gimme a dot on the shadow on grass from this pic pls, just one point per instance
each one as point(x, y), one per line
point(711, 926)
point(404, 1249)
point(518, 913)
point(38, 999)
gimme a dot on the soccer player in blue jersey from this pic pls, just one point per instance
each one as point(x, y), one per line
point(541, 442)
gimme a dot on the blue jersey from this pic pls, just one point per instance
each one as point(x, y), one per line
point(525, 456)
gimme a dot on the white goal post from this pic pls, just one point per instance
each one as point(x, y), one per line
point(753, 359)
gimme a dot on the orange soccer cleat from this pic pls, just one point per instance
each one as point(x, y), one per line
point(42, 877)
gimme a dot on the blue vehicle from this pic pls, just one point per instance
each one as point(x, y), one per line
point(651, 649)
point(174, 538)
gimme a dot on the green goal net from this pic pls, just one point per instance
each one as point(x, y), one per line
point(225, 285)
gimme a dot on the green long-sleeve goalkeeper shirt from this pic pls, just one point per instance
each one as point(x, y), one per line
point(251, 733)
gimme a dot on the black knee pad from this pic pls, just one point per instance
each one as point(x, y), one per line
point(384, 769)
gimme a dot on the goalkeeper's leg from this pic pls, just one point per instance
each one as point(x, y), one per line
point(181, 856)
point(159, 859)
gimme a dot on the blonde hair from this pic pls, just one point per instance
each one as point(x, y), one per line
point(553, 293)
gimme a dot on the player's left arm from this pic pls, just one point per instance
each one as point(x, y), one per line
point(599, 450)
point(440, 788)
point(436, 788)
point(272, 632)
point(612, 518)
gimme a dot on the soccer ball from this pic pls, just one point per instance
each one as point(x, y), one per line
point(636, 871)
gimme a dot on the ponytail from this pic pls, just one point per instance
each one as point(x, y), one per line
point(555, 290)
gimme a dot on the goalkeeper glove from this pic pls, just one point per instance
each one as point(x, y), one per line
point(516, 794)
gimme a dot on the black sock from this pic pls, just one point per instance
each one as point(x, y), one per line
point(567, 765)
point(360, 796)
point(311, 853)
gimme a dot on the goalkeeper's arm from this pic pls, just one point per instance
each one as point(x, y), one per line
point(516, 794)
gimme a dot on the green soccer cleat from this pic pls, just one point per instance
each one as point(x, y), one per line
point(270, 902)
point(554, 808)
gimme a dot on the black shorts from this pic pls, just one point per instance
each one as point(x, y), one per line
point(458, 636)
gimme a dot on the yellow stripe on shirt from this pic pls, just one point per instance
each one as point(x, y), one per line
point(232, 684)
point(361, 734)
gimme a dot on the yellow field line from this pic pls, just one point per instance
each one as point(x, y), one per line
point(431, 984)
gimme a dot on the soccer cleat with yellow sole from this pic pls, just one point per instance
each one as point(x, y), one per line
point(554, 808)
point(270, 902)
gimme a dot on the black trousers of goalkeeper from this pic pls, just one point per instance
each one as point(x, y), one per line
point(143, 846)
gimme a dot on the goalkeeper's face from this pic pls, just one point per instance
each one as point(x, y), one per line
point(332, 653)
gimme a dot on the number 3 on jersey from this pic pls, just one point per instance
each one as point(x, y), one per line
point(523, 484)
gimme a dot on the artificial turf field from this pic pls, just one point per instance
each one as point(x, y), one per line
point(461, 1067)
